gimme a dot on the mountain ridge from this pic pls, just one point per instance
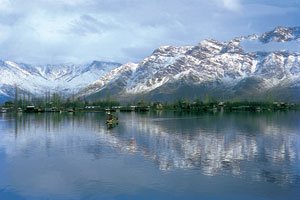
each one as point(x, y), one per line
point(223, 70)
point(38, 79)
point(208, 68)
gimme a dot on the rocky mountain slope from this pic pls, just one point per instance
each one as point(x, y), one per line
point(223, 70)
point(39, 79)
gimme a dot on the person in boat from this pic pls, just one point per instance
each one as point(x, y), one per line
point(111, 118)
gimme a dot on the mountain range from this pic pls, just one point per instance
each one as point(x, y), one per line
point(254, 67)
point(37, 80)
point(222, 70)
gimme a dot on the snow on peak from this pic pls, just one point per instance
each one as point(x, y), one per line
point(37, 79)
point(281, 34)
point(123, 72)
point(210, 63)
point(224, 64)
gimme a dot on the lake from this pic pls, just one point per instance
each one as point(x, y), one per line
point(155, 155)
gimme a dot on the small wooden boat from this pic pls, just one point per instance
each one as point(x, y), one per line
point(111, 120)
point(31, 109)
point(70, 110)
point(142, 108)
point(3, 110)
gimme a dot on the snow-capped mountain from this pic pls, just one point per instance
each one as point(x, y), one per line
point(281, 34)
point(224, 70)
point(39, 79)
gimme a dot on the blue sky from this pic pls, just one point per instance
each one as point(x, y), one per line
point(58, 31)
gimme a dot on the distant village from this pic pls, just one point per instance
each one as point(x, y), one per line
point(57, 104)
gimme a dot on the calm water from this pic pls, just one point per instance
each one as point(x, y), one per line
point(150, 156)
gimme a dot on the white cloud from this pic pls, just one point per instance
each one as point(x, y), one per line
point(5, 5)
point(121, 30)
point(230, 5)
point(233, 5)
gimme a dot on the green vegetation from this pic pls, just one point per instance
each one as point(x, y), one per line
point(55, 103)
point(251, 106)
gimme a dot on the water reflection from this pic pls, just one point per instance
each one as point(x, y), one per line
point(263, 147)
point(224, 144)
point(57, 154)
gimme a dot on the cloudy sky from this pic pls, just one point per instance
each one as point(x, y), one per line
point(58, 31)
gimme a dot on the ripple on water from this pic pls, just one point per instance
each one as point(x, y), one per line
point(76, 156)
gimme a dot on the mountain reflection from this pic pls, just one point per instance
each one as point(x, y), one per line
point(266, 147)
point(262, 147)
point(213, 151)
